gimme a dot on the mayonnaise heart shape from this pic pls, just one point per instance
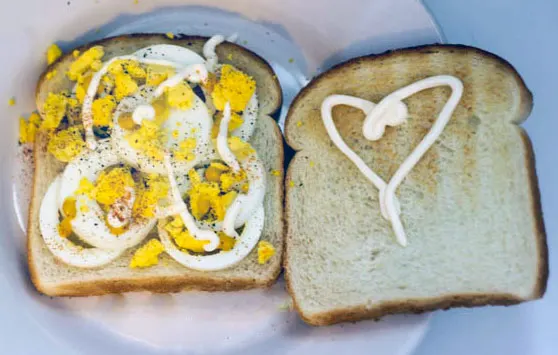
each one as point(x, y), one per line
point(391, 111)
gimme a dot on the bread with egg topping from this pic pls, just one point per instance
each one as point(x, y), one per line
point(470, 207)
point(55, 278)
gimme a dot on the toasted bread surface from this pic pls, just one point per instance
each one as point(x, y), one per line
point(471, 206)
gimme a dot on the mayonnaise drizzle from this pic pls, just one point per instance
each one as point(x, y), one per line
point(193, 73)
point(391, 112)
point(244, 205)
point(209, 47)
point(187, 218)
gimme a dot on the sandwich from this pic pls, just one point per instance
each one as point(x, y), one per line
point(413, 187)
point(157, 167)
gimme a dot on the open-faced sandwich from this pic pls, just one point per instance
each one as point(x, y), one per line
point(413, 187)
point(157, 167)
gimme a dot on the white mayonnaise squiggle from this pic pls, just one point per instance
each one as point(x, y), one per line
point(187, 218)
point(209, 47)
point(391, 111)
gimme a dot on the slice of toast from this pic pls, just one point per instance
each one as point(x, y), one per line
point(470, 207)
point(55, 278)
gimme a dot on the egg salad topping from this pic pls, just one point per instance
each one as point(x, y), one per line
point(234, 87)
point(147, 255)
point(143, 146)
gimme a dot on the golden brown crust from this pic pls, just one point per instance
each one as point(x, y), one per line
point(406, 306)
point(542, 278)
point(158, 284)
point(423, 305)
point(527, 101)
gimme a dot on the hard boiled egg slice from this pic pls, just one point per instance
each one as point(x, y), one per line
point(194, 122)
point(89, 223)
point(62, 248)
point(224, 259)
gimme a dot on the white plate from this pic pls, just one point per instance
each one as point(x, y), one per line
point(299, 39)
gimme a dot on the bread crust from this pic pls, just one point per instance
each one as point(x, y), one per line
point(158, 284)
point(429, 304)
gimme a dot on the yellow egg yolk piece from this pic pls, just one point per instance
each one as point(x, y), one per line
point(235, 122)
point(28, 128)
point(82, 86)
point(54, 110)
point(201, 197)
point(86, 188)
point(147, 139)
point(234, 87)
point(53, 53)
point(180, 96)
point(226, 243)
point(182, 238)
point(124, 85)
point(113, 185)
point(240, 148)
point(265, 251)
point(90, 59)
point(231, 179)
point(127, 66)
point(156, 74)
point(147, 255)
point(69, 212)
point(220, 204)
point(185, 151)
point(154, 188)
point(102, 110)
point(66, 144)
point(214, 171)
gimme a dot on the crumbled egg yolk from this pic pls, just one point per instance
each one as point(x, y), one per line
point(185, 150)
point(86, 188)
point(170, 35)
point(207, 197)
point(11, 101)
point(50, 74)
point(28, 128)
point(53, 53)
point(82, 85)
point(124, 85)
point(113, 185)
point(69, 212)
point(291, 184)
point(75, 53)
point(214, 171)
point(231, 179)
point(234, 87)
point(275, 173)
point(102, 110)
point(127, 66)
point(226, 243)
point(182, 238)
point(66, 144)
point(154, 189)
point(54, 110)
point(156, 74)
point(180, 96)
point(90, 59)
point(147, 255)
point(265, 251)
point(240, 148)
point(235, 122)
point(147, 139)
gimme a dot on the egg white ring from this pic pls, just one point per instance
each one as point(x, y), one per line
point(90, 226)
point(62, 248)
point(243, 246)
point(146, 164)
point(249, 117)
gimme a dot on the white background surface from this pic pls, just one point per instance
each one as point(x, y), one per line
point(526, 34)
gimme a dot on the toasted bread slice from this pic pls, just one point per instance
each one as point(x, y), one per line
point(470, 207)
point(55, 278)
